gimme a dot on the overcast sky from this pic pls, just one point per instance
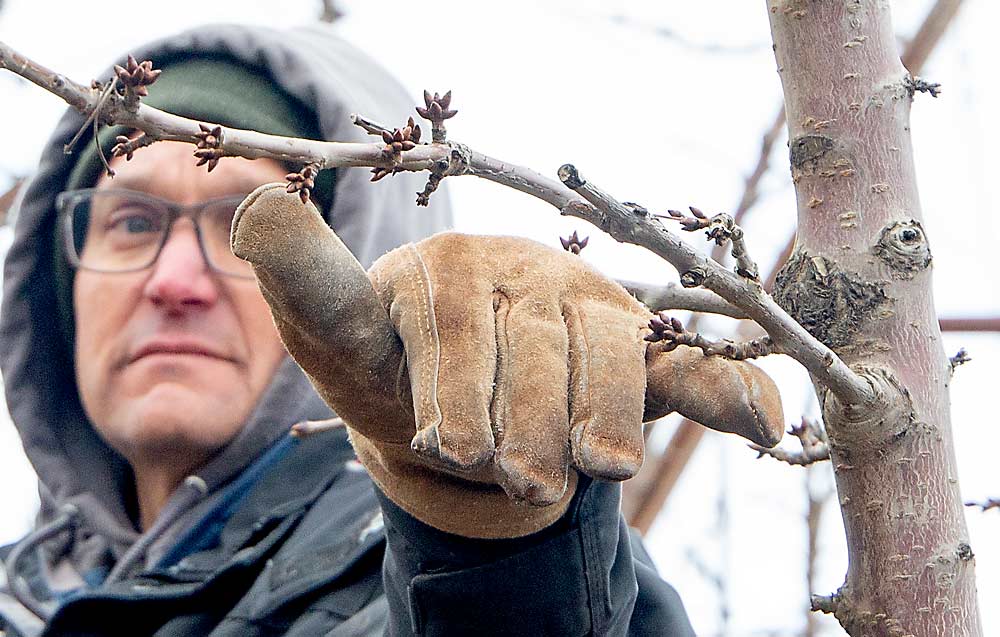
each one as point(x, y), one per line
point(662, 103)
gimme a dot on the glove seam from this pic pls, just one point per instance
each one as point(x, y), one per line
point(428, 333)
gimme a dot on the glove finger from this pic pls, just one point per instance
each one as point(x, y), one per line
point(725, 395)
point(607, 390)
point(530, 409)
point(327, 313)
point(448, 332)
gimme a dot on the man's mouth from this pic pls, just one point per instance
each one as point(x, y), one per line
point(177, 348)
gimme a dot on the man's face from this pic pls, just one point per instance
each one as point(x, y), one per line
point(171, 360)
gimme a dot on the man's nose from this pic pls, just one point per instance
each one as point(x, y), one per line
point(181, 279)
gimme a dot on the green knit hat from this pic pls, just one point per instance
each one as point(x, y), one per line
point(214, 89)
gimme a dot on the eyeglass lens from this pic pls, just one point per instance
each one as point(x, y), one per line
point(120, 231)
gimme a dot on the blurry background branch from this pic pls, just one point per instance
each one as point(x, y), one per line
point(8, 198)
point(330, 12)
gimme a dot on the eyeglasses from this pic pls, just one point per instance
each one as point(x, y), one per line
point(125, 231)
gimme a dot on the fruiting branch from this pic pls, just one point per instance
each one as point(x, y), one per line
point(125, 147)
point(624, 223)
point(667, 333)
point(722, 229)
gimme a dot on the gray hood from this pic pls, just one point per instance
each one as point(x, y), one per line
point(332, 79)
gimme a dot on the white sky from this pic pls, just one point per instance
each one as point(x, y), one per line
point(667, 120)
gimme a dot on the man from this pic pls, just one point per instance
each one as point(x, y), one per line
point(153, 395)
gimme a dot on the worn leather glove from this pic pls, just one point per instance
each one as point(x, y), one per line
point(478, 374)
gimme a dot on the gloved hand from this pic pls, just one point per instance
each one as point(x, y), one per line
point(462, 364)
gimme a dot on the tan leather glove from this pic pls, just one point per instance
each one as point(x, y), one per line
point(476, 373)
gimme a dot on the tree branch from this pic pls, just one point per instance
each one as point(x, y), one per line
point(675, 297)
point(449, 158)
point(750, 189)
point(629, 225)
point(969, 324)
point(929, 34)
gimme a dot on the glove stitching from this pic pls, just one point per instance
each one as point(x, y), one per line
point(427, 327)
point(580, 412)
point(499, 405)
point(757, 419)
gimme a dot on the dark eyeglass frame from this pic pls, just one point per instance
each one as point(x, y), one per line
point(67, 200)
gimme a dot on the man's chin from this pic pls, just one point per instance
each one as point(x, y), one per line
point(172, 418)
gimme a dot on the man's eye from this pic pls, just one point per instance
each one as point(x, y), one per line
point(133, 222)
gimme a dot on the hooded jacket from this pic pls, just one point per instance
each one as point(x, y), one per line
point(275, 535)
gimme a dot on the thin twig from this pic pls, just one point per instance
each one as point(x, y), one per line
point(312, 427)
point(108, 170)
point(91, 116)
point(814, 515)
point(370, 127)
point(680, 39)
point(992, 503)
point(812, 437)
point(960, 358)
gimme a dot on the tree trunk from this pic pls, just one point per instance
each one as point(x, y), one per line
point(860, 281)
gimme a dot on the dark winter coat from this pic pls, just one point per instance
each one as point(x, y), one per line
point(291, 538)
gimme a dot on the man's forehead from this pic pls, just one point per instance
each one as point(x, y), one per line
point(167, 169)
